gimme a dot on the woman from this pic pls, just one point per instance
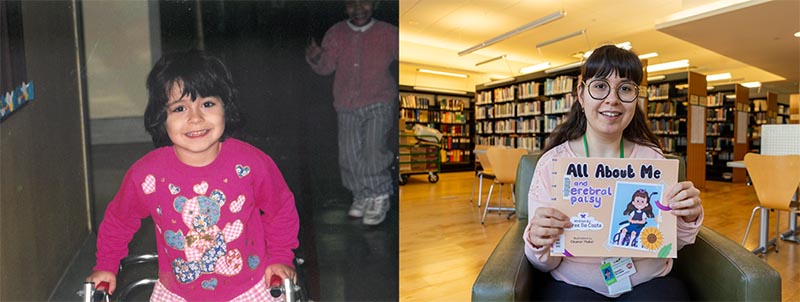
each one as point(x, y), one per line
point(605, 122)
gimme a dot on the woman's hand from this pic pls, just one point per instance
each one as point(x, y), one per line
point(684, 200)
point(545, 226)
point(282, 270)
point(104, 276)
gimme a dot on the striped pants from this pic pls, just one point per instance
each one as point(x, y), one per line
point(365, 153)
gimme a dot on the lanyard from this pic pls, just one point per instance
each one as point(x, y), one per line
point(621, 147)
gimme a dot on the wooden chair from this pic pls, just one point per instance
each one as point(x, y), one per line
point(486, 171)
point(504, 162)
point(775, 179)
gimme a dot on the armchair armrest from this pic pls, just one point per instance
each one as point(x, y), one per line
point(716, 268)
point(507, 275)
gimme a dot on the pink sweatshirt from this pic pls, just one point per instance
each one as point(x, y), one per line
point(361, 61)
point(585, 271)
point(213, 243)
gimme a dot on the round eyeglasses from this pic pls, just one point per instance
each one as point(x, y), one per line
point(599, 89)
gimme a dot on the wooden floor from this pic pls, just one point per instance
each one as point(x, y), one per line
point(443, 244)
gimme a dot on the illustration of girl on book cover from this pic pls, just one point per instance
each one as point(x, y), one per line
point(633, 216)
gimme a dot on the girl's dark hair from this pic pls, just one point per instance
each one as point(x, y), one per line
point(648, 210)
point(604, 61)
point(201, 75)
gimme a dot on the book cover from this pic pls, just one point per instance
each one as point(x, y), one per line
point(615, 207)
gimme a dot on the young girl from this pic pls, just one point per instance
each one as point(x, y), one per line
point(638, 210)
point(225, 219)
point(606, 121)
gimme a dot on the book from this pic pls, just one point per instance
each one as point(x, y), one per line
point(615, 206)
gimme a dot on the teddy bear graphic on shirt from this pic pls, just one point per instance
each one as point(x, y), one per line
point(205, 244)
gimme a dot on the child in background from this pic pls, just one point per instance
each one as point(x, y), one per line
point(225, 219)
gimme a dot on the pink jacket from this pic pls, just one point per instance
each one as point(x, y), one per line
point(213, 242)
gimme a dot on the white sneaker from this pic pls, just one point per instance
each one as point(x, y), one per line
point(358, 207)
point(376, 210)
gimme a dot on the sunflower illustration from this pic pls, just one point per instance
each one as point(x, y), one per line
point(651, 238)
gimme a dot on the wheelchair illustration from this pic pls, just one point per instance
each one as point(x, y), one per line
point(631, 236)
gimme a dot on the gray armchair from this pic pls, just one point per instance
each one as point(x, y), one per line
point(713, 268)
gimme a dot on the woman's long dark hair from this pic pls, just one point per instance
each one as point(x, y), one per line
point(603, 62)
point(200, 75)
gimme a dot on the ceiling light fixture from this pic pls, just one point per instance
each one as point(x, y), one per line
point(433, 89)
point(444, 73)
point(656, 78)
point(490, 60)
point(718, 77)
point(623, 45)
point(797, 34)
point(564, 67)
point(561, 38)
point(498, 82)
point(534, 68)
point(668, 65)
point(514, 32)
point(648, 55)
point(751, 84)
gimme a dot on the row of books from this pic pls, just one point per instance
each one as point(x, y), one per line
point(529, 108)
point(717, 129)
point(718, 114)
point(658, 92)
point(559, 105)
point(533, 143)
point(427, 116)
point(662, 127)
point(673, 144)
point(529, 90)
point(483, 97)
point(455, 130)
point(662, 109)
point(450, 142)
point(415, 115)
point(414, 101)
point(455, 104)
point(535, 125)
point(504, 94)
point(558, 85)
point(716, 99)
point(455, 156)
point(551, 122)
point(720, 143)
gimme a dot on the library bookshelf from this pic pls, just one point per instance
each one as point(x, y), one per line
point(451, 114)
point(523, 112)
point(726, 131)
point(676, 109)
point(763, 110)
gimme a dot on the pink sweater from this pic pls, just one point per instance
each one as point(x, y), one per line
point(361, 61)
point(213, 243)
point(585, 271)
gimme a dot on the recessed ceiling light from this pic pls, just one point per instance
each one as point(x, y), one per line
point(668, 65)
point(444, 73)
point(718, 77)
point(648, 55)
point(797, 34)
point(535, 68)
point(752, 84)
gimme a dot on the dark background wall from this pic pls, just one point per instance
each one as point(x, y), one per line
point(43, 193)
